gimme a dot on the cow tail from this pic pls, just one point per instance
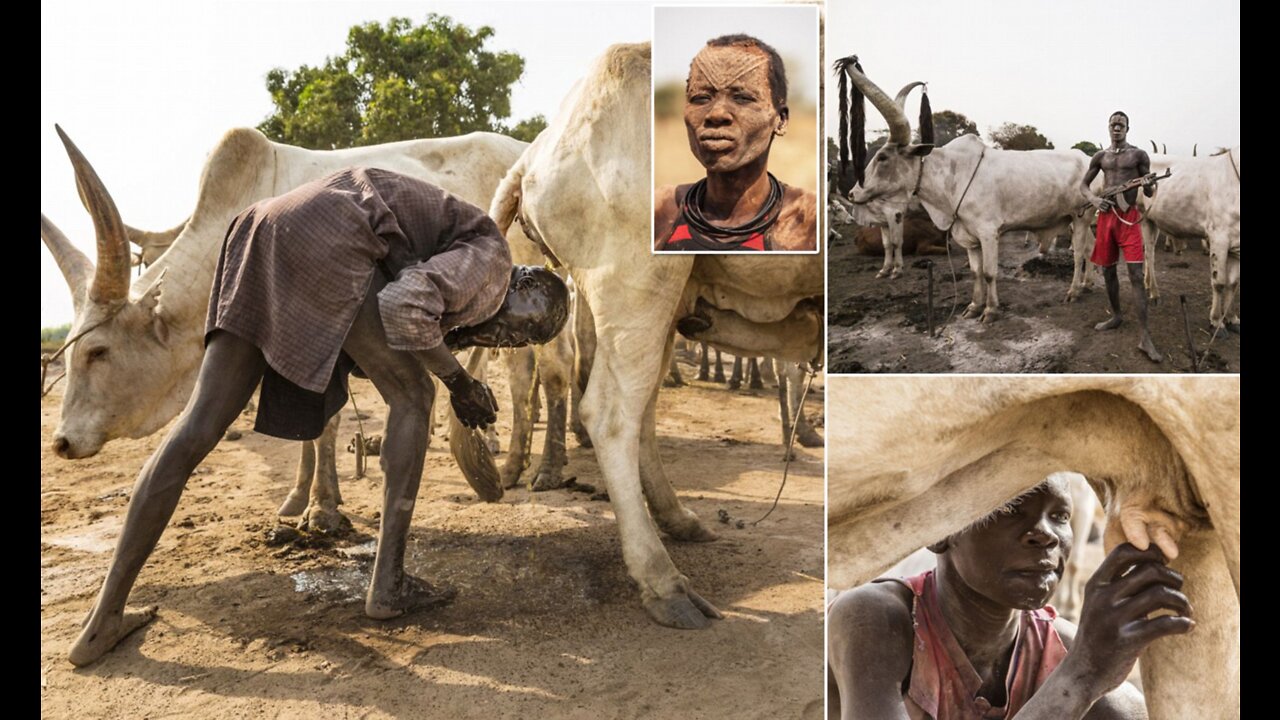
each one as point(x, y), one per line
point(506, 200)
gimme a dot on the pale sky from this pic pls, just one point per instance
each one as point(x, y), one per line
point(1172, 65)
point(146, 88)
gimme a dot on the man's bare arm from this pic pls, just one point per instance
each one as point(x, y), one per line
point(870, 635)
point(1122, 703)
point(1095, 167)
point(1144, 168)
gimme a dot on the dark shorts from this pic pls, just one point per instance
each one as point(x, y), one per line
point(1116, 234)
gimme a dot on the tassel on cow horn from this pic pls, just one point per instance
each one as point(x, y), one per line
point(926, 118)
point(899, 126)
point(853, 121)
point(76, 267)
point(111, 277)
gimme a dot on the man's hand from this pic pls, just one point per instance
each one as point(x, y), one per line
point(1114, 624)
point(1102, 204)
point(472, 400)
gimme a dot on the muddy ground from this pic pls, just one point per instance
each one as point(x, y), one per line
point(546, 622)
point(880, 325)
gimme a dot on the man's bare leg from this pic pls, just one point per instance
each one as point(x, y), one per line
point(1112, 281)
point(230, 372)
point(408, 391)
point(1138, 287)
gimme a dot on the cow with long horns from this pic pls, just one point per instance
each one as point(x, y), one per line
point(977, 193)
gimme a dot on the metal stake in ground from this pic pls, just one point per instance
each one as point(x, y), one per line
point(929, 296)
point(1186, 325)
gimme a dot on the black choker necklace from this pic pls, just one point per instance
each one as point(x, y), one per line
point(691, 208)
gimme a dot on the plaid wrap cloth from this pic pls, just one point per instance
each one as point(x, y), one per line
point(294, 270)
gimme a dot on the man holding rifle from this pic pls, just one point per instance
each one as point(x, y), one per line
point(1125, 168)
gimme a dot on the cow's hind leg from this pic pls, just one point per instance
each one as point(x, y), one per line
point(672, 517)
point(229, 373)
point(990, 270)
point(296, 502)
point(805, 434)
point(979, 284)
point(405, 386)
point(521, 369)
point(555, 368)
point(624, 378)
point(321, 514)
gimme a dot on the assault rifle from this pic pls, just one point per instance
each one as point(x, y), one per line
point(1110, 193)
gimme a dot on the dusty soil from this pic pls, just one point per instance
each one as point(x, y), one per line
point(546, 622)
point(880, 325)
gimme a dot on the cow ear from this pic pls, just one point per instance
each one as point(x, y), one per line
point(940, 547)
point(150, 302)
point(919, 149)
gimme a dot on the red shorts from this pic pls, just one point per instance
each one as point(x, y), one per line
point(1114, 236)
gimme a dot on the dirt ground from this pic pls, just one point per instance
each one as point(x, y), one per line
point(546, 622)
point(880, 325)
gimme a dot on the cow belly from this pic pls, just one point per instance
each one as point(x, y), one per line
point(760, 289)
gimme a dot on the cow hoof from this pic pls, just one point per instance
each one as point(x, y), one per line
point(686, 611)
point(324, 521)
point(897, 273)
point(1153, 300)
point(1233, 326)
point(92, 645)
point(688, 529)
point(411, 594)
point(809, 438)
point(882, 274)
point(733, 384)
point(548, 480)
point(972, 311)
point(294, 504)
point(584, 440)
point(511, 472)
point(990, 315)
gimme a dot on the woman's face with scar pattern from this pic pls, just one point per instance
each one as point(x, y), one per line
point(728, 112)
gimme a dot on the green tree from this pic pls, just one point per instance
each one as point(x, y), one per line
point(1012, 136)
point(398, 82)
point(949, 125)
point(1086, 147)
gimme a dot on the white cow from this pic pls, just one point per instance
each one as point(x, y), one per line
point(979, 193)
point(139, 350)
point(1201, 199)
point(576, 192)
point(1165, 451)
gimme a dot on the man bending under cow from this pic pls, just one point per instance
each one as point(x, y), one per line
point(973, 639)
point(365, 266)
point(1119, 226)
point(735, 105)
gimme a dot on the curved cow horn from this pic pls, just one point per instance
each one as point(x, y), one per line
point(899, 126)
point(75, 265)
point(901, 97)
point(1194, 148)
point(1154, 149)
point(111, 279)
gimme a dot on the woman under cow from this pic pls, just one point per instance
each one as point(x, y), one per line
point(973, 639)
point(735, 105)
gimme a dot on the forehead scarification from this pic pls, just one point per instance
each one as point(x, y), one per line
point(721, 67)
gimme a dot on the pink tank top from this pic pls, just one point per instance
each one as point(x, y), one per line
point(944, 685)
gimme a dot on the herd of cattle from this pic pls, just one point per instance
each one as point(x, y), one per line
point(983, 195)
point(570, 197)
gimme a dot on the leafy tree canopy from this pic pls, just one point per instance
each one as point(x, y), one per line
point(949, 125)
point(1012, 136)
point(1086, 147)
point(399, 82)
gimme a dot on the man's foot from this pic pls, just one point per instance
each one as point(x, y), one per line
point(93, 642)
point(1111, 324)
point(1149, 348)
point(410, 594)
